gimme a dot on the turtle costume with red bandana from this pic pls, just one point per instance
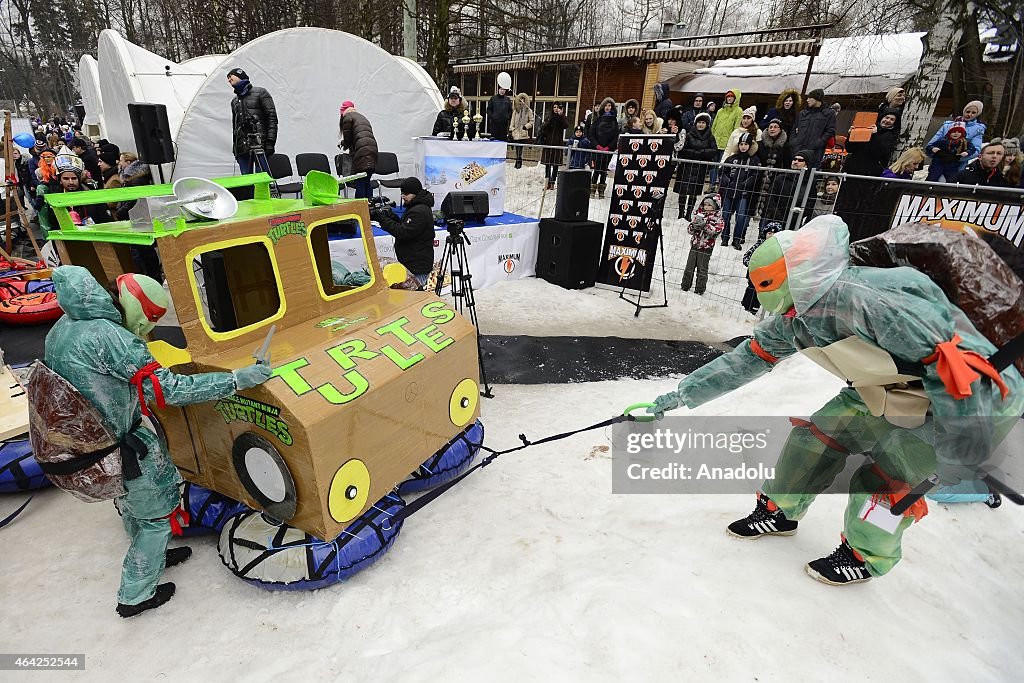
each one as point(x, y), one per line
point(921, 398)
point(101, 353)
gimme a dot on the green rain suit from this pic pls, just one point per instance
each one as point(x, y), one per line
point(901, 311)
point(91, 349)
point(727, 119)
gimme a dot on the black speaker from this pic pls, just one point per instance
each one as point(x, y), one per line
point(218, 294)
point(569, 252)
point(80, 113)
point(467, 206)
point(152, 134)
point(572, 199)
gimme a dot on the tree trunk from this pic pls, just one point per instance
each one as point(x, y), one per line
point(976, 83)
point(940, 45)
point(440, 47)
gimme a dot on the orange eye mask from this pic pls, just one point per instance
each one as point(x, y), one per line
point(770, 277)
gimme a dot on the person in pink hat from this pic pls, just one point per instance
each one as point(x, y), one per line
point(358, 140)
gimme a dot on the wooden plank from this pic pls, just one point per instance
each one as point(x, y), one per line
point(13, 405)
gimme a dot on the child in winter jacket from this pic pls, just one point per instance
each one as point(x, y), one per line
point(577, 143)
point(704, 228)
point(738, 180)
point(750, 302)
point(948, 152)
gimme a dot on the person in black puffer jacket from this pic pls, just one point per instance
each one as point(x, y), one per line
point(698, 145)
point(252, 111)
point(815, 125)
point(872, 157)
point(738, 180)
point(604, 136)
point(357, 138)
point(499, 114)
point(413, 232)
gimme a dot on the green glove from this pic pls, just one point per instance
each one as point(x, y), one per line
point(251, 375)
point(663, 403)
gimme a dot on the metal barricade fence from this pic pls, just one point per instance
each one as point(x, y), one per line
point(774, 196)
point(870, 205)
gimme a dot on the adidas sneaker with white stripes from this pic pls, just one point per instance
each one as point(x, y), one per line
point(765, 520)
point(840, 568)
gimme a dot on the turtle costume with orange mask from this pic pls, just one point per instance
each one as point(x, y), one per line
point(921, 398)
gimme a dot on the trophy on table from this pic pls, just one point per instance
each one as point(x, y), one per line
point(478, 119)
point(465, 126)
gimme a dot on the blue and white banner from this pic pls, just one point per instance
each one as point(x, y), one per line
point(463, 166)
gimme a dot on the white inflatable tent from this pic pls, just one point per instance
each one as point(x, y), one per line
point(129, 73)
point(92, 100)
point(310, 72)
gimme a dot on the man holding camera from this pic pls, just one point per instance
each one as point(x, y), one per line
point(253, 123)
point(413, 232)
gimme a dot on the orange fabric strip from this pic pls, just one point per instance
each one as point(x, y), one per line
point(770, 277)
point(761, 353)
point(819, 435)
point(896, 490)
point(957, 369)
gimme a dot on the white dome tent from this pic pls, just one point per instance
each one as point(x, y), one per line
point(89, 86)
point(130, 73)
point(206, 64)
point(310, 72)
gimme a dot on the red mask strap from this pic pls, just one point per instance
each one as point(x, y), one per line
point(152, 311)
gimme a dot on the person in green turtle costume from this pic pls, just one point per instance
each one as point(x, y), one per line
point(97, 346)
point(921, 397)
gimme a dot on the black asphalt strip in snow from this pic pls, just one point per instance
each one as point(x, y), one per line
point(557, 360)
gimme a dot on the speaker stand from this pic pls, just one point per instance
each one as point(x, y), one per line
point(664, 282)
point(462, 289)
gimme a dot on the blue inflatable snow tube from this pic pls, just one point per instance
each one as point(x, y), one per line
point(208, 510)
point(19, 470)
point(274, 556)
point(447, 463)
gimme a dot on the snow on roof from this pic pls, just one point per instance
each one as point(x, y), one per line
point(850, 65)
point(996, 50)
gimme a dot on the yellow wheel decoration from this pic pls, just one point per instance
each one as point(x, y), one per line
point(349, 491)
point(463, 403)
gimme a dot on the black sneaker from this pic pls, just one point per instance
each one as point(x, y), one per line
point(725, 241)
point(163, 593)
point(177, 556)
point(840, 568)
point(763, 522)
point(994, 500)
point(737, 245)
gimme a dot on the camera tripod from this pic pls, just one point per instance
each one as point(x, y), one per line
point(455, 261)
point(258, 162)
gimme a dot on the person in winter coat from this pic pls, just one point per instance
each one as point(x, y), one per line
point(805, 278)
point(604, 136)
point(895, 98)
point(779, 199)
point(771, 147)
point(906, 164)
point(357, 137)
point(750, 303)
point(21, 174)
point(663, 103)
point(413, 232)
point(135, 173)
point(739, 178)
point(499, 114)
point(98, 347)
point(252, 113)
point(704, 228)
point(552, 133)
point(651, 123)
point(111, 177)
point(870, 158)
point(690, 115)
point(826, 201)
point(86, 151)
point(698, 145)
point(746, 125)
point(986, 170)
point(521, 126)
point(449, 119)
point(712, 109)
point(70, 177)
point(814, 126)
point(724, 123)
point(578, 158)
point(975, 130)
point(1013, 162)
point(629, 110)
point(947, 154)
point(787, 105)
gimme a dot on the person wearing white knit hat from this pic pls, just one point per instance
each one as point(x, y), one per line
point(746, 125)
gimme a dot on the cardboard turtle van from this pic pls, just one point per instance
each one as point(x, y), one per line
point(368, 381)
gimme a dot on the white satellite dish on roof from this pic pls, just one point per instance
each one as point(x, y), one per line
point(204, 198)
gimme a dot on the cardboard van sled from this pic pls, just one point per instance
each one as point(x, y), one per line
point(368, 381)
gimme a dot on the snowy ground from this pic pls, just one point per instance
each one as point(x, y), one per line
point(532, 570)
